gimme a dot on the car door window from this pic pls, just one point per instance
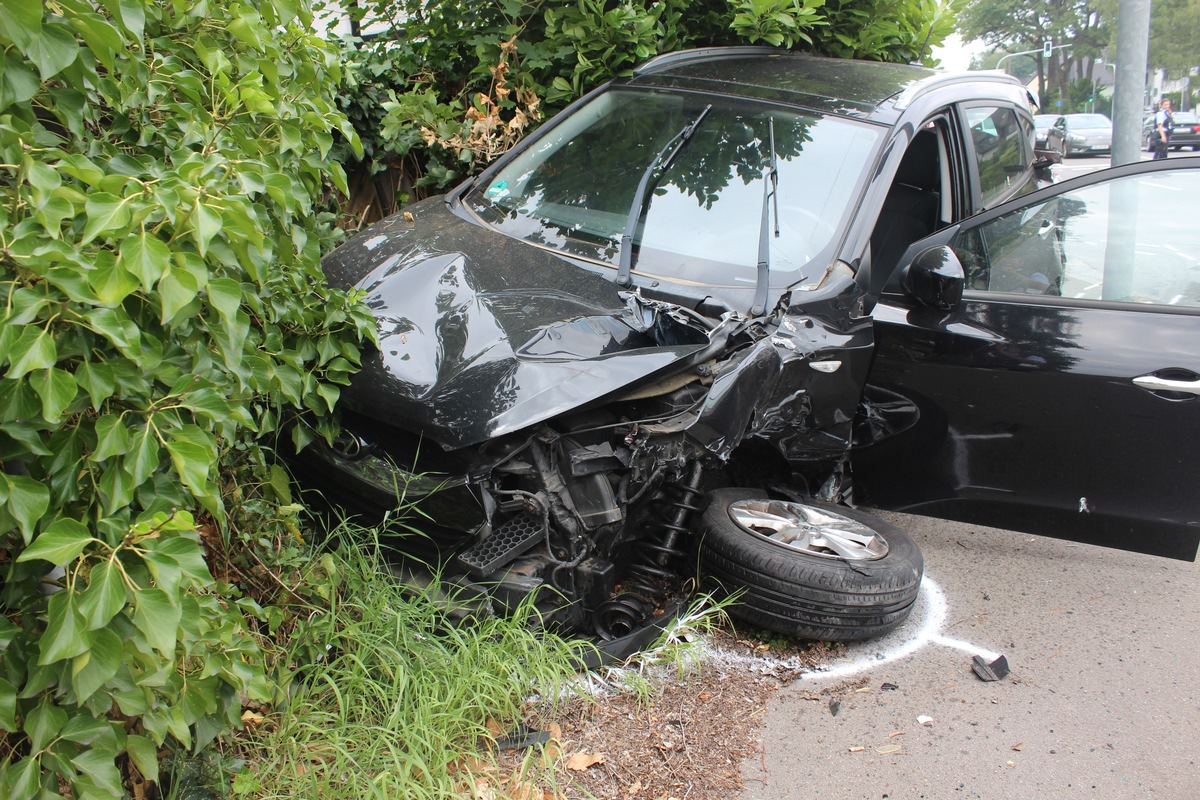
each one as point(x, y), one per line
point(1119, 241)
point(1001, 151)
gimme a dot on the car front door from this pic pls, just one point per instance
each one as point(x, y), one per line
point(1061, 394)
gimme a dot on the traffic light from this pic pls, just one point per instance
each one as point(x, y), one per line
point(1047, 48)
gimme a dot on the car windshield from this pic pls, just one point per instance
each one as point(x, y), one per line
point(1184, 118)
point(573, 188)
point(1044, 123)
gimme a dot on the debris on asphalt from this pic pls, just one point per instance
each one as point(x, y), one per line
point(990, 672)
point(889, 687)
point(888, 748)
point(835, 706)
point(858, 748)
point(925, 721)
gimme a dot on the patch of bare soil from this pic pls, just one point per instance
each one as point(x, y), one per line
point(678, 736)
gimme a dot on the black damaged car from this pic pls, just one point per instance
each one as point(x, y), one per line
point(697, 316)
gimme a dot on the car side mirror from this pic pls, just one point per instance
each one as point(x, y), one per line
point(935, 278)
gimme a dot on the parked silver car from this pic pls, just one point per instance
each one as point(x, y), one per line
point(1088, 134)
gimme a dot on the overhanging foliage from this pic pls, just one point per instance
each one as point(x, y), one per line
point(161, 306)
point(451, 84)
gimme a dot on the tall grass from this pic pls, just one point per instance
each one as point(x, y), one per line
point(402, 698)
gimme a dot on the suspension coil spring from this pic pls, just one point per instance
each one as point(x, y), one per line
point(653, 562)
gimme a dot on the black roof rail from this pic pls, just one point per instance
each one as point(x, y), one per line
point(702, 54)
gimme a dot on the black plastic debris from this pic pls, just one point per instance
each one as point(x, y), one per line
point(889, 687)
point(835, 706)
point(990, 672)
point(522, 737)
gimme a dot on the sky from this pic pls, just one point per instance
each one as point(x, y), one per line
point(955, 55)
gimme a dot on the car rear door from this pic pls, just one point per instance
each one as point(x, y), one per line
point(1061, 395)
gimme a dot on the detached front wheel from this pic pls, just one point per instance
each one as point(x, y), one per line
point(811, 570)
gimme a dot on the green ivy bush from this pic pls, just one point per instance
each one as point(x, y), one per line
point(162, 312)
point(455, 82)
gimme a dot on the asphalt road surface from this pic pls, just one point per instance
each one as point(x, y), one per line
point(1103, 700)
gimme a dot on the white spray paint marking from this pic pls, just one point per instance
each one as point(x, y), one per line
point(927, 632)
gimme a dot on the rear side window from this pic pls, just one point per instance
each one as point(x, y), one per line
point(999, 141)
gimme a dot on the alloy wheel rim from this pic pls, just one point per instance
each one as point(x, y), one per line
point(814, 531)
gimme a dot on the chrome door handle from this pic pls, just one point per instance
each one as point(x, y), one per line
point(1154, 383)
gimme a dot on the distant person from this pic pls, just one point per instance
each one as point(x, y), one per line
point(1163, 119)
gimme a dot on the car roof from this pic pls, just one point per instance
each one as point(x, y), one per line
point(867, 89)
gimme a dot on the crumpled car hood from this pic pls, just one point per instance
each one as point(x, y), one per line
point(481, 334)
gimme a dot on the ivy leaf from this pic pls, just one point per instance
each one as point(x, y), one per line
point(133, 17)
point(142, 461)
point(116, 326)
point(21, 22)
point(80, 166)
point(144, 755)
point(18, 83)
point(102, 38)
point(60, 543)
point(206, 224)
point(329, 393)
point(245, 29)
point(97, 379)
point(27, 500)
point(115, 487)
point(23, 308)
point(93, 669)
point(112, 282)
point(105, 212)
point(33, 349)
point(53, 50)
point(8, 706)
point(64, 636)
point(158, 619)
point(146, 257)
point(185, 552)
point(99, 766)
point(57, 388)
point(23, 778)
point(112, 437)
point(176, 290)
point(26, 440)
point(43, 178)
point(43, 723)
point(86, 729)
point(53, 211)
point(105, 595)
point(225, 294)
point(193, 455)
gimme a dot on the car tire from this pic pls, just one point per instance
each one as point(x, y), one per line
point(796, 591)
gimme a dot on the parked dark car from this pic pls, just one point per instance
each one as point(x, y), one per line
point(709, 306)
point(1185, 131)
point(1050, 137)
point(1088, 134)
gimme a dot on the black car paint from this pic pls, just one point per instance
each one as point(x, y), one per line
point(1020, 411)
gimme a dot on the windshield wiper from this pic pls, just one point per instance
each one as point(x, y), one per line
point(660, 164)
point(770, 197)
